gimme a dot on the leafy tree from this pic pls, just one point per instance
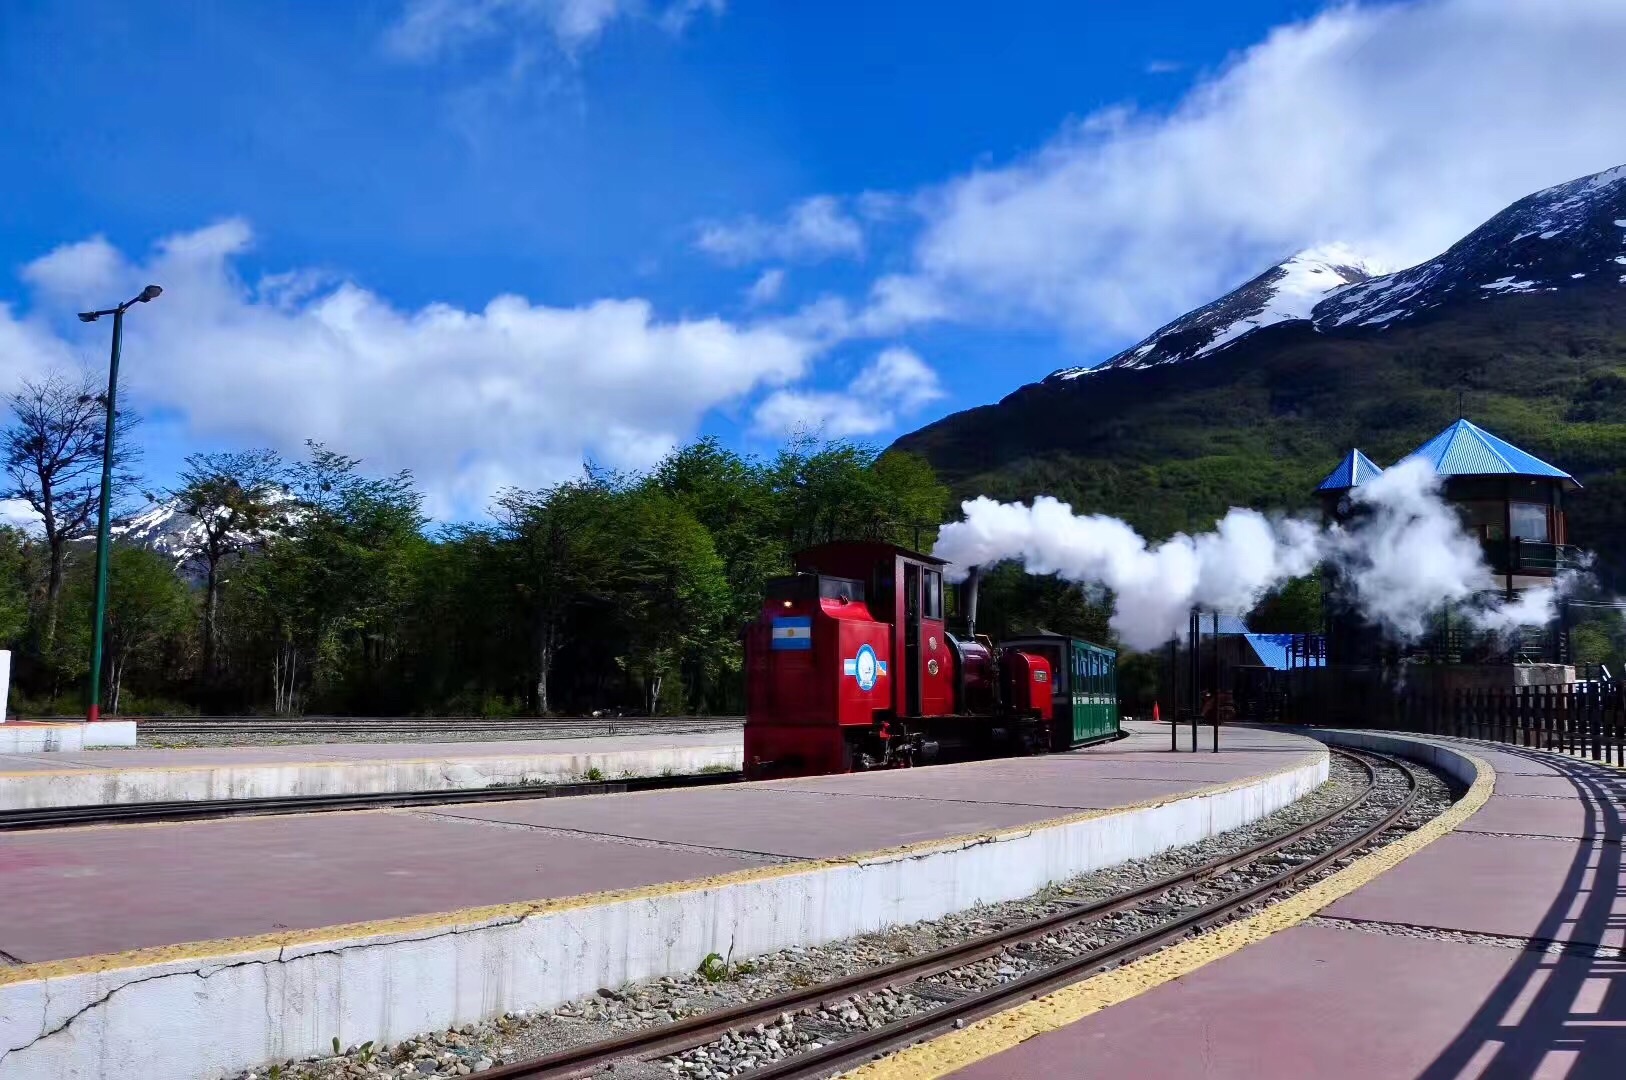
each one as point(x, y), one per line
point(236, 499)
point(734, 499)
point(328, 590)
point(148, 608)
point(1294, 608)
point(674, 600)
point(561, 556)
point(53, 461)
point(1012, 603)
point(846, 491)
point(14, 580)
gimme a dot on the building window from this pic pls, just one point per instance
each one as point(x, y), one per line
point(1529, 522)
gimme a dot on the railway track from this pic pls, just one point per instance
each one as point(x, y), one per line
point(58, 817)
point(1194, 899)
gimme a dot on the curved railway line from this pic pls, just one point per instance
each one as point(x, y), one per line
point(1194, 899)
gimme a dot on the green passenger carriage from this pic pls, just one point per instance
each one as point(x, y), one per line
point(1085, 690)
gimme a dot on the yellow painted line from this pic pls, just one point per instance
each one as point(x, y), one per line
point(1002, 1031)
point(440, 922)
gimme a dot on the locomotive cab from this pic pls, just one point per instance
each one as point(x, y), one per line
point(850, 666)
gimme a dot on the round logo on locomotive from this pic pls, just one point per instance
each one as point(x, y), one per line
point(931, 667)
point(866, 668)
point(931, 643)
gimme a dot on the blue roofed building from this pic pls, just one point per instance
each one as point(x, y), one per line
point(1356, 469)
point(1510, 500)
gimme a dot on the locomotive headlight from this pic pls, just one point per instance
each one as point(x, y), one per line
point(789, 603)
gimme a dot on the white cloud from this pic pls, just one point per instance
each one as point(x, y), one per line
point(815, 228)
point(896, 384)
point(511, 393)
point(19, 515)
point(430, 28)
point(28, 349)
point(1163, 67)
point(90, 265)
point(1394, 128)
point(680, 13)
point(766, 288)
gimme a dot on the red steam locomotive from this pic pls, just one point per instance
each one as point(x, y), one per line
point(850, 666)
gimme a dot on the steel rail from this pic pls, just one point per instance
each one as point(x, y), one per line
point(668, 1039)
point(60, 817)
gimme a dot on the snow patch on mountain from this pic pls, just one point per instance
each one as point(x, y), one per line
point(1287, 292)
point(164, 527)
point(1542, 242)
point(1563, 236)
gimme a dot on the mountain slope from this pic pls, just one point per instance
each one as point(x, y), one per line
point(1258, 422)
point(1287, 291)
point(1552, 240)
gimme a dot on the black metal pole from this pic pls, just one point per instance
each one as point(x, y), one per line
point(1196, 675)
point(1216, 682)
point(1174, 695)
point(99, 612)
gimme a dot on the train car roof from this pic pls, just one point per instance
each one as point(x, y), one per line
point(875, 546)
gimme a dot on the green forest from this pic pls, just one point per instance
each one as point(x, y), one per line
point(318, 585)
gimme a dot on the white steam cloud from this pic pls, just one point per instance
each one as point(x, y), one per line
point(1403, 560)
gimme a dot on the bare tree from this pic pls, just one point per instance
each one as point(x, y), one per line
point(236, 498)
point(53, 461)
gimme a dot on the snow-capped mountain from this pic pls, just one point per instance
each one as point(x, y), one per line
point(1286, 292)
point(1571, 235)
point(166, 528)
point(1565, 236)
point(162, 527)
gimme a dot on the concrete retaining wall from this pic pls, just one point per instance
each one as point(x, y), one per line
point(175, 783)
point(28, 738)
point(1441, 755)
point(211, 1009)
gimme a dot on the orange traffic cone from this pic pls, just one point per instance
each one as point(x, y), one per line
point(1157, 717)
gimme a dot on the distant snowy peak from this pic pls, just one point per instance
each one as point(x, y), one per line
point(169, 530)
point(1569, 235)
point(165, 528)
point(1286, 292)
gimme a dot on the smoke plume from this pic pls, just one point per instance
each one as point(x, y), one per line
point(1403, 558)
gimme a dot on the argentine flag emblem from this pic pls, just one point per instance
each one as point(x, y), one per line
point(793, 632)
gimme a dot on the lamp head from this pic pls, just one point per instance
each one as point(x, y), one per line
point(89, 316)
point(151, 292)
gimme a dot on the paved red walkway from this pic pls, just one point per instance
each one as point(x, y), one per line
point(1349, 994)
point(85, 891)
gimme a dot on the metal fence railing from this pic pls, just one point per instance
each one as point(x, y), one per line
point(1585, 719)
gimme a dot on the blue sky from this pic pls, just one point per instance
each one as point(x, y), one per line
point(486, 238)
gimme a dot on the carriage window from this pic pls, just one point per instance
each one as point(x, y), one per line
point(934, 594)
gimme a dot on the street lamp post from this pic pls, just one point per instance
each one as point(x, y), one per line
point(103, 524)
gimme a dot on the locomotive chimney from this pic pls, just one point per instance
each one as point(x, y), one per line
point(968, 594)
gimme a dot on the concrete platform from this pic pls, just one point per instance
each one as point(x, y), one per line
point(149, 775)
point(377, 924)
point(27, 737)
point(1442, 967)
